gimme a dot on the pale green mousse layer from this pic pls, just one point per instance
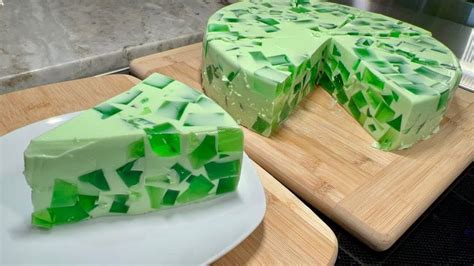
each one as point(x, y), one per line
point(261, 58)
point(159, 145)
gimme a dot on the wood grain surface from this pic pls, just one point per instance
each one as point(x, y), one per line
point(290, 232)
point(324, 156)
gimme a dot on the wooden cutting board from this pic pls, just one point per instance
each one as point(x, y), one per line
point(324, 156)
point(290, 232)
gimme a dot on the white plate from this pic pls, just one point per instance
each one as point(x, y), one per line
point(195, 234)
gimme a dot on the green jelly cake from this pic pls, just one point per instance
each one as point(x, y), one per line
point(159, 145)
point(261, 58)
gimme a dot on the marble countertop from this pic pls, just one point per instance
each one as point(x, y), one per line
point(45, 41)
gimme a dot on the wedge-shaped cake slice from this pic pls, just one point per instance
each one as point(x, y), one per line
point(158, 145)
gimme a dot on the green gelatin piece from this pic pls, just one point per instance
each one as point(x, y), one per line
point(136, 149)
point(204, 152)
point(326, 83)
point(299, 9)
point(64, 215)
point(42, 219)
point(396, 123)
point(258, 56)
point(384, 113)
point(198, 188)
point(170, 197)
point(354, 110)
point(359, 100)
point(182, 172)
point(335, 51)
point(227, 185)
point(97, 179)
point(405, 54)
point(373, 98)
point(87, 203)
point(364, 42)
point(278, 60)
point(163, 140)
point(230, 140)
point(388, 99)
point(443, 100)
point(119, 204)
point(155, 195)
point(129, 176)
point(139, 122)
point(424, 61)
point(364, 53)
point(260, 125)
point(395, 96)
point(107, 110)
point(432, 74)
point(372, 128)
point(216, 170)
point(271, 74)
point(356, 65)
point(285, 112)
point(64, 194)
point(268, 21)
point(372, 79)
point(158, 81)
point(213, 27)
point(128, 97)
point(396, 60)
point(171, 109)
point(210, 74)
point(387, 141)
point(420, 89)
point(343, 70)
point(341, 94)
point(232, 20)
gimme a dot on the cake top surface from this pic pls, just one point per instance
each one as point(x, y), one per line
point(157, 103)
point(272, 37)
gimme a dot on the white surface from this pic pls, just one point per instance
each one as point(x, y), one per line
point(194, 234)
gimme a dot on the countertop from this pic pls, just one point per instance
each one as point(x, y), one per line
point(55, 40)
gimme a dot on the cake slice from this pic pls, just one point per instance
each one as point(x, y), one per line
point(159, 145)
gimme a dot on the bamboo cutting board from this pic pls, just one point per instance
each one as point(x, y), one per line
point(324, 156)
point(290, 232)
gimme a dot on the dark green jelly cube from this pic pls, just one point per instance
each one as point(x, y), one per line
point(119, 204)
point(204, 152)
point(107, 110)
point(170, 197)
point(182, 172)
point(260, 125)
point(87, 203)
point(172, 109)
point(228, 184)
point(217, 170)
point(127, 97)
point(129, 176)
point(384, 113)
point(198, 188)
point(97, 179)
